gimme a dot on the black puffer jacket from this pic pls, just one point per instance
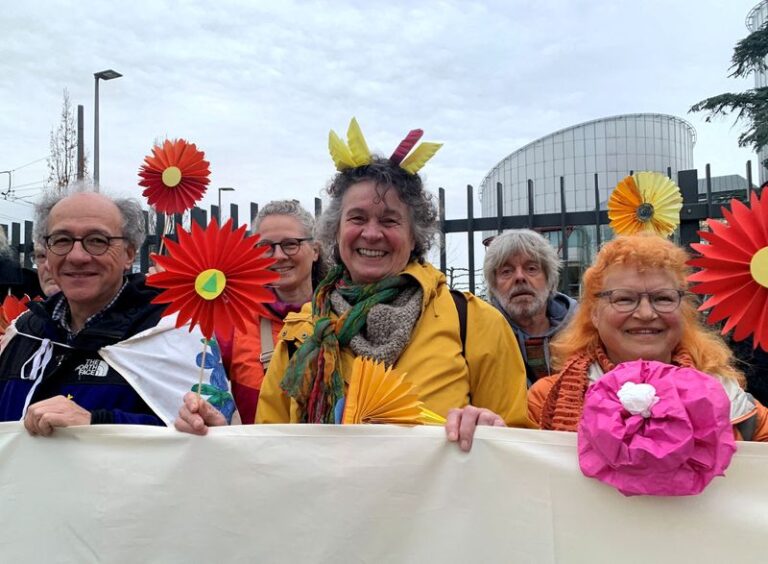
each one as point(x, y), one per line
point(75, 369)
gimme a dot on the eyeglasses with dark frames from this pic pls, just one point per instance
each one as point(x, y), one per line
point(626, 301)
point(94, 244)
point(290, 246)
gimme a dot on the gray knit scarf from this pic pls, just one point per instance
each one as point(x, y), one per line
point(388, 327)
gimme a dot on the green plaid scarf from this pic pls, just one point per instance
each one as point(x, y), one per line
point(313, 377)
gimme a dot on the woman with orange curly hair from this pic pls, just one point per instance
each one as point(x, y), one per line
point(634, 306)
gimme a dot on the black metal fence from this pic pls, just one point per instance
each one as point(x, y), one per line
point(696, 207)
point(22, 247)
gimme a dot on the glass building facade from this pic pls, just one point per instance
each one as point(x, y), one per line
point(609, 147)
point(755, 19)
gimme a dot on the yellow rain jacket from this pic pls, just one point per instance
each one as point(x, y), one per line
point(491, 376)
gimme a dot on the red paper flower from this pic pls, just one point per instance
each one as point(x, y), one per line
point(214, 277)
point(175, 176)
point(735, 270)
point(12, 308)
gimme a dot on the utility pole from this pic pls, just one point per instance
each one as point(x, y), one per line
point(80, 143)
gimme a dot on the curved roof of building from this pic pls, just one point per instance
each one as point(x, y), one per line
point(573, 127)
point(751, 14)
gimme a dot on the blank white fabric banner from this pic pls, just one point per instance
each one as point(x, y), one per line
point(301, 493)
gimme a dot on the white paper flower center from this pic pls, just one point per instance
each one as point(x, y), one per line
point(638, 399)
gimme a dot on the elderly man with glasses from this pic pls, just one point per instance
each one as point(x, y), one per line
point(51, 374)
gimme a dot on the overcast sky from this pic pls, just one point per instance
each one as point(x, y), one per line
point(257, 85)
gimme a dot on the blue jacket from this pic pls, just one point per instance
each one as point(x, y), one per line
point(38, 363)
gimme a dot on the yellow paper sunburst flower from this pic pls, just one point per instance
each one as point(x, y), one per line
point(645, 201)
point(381, 395)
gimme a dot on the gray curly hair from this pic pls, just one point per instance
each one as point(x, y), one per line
point(385, 175)
point(292, 208)
point(134, 229)
point(521, 241)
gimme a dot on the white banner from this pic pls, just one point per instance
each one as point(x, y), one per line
point(340, 494)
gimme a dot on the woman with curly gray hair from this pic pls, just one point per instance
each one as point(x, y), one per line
point(382, 300)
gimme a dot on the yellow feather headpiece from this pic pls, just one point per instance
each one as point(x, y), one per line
point(355, 152)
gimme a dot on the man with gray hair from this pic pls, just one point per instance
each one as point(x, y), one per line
point(51, 373)
point(522, 271)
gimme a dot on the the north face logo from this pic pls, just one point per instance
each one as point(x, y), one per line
point(93, 367)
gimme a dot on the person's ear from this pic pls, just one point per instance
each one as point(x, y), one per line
point(315, 251)
point(595, 315)
point(130, 256)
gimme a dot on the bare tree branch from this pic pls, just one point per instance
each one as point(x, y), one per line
point(62, 161)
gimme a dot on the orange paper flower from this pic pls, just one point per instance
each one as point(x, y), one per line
point(214, 277)
point(645, 201)
point(734, 270)
point(175, 176)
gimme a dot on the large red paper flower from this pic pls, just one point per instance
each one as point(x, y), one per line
point(175, 176)
point(214, 277)
point(734, 270)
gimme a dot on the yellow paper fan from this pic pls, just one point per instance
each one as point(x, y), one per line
point(420, 156)
point(357, 145)
point(381, 395)
point(645, 201)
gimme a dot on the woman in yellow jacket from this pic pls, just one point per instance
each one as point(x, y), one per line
point(381, 300)
point(490, 372)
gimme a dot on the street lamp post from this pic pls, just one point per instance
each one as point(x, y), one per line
point(108, 74)
point(223, 189)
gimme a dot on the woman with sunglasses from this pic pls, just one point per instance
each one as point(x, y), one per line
point(286, 228)
point(634, 306)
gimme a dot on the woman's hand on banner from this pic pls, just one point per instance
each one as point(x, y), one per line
point(196, 415)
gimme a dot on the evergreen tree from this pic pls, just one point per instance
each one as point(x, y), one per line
point(751, 106)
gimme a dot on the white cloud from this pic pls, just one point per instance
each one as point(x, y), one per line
point(257, 85)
